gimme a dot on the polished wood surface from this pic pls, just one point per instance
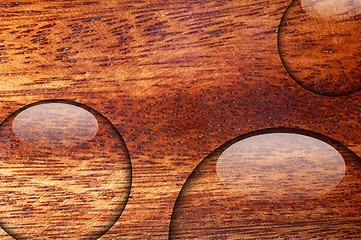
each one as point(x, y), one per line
point(65, 171)
point(278, 183)
point(177, 80)
point(319, 43)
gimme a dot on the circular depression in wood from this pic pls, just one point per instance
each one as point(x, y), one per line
point(319, 44)
point(277, 183)
point(65, 172)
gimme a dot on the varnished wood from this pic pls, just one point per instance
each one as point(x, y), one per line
point(65, 173)
point(319, 43)
point(177, 79)
point(293, 186)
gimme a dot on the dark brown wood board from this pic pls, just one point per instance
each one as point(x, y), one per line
point(153, 119)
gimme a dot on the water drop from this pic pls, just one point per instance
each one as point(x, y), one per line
point(275, 183)
point(58, 123)
point(264, 161)
point(73, 160)
point(307, 28)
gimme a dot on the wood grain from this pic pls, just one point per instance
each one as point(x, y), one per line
point(290, 187)
point(319, 43)
point(65, 173)
point(177, 79)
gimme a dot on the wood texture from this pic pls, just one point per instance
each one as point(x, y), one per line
point(65, 173)
point(319, 43)
point(177, 79)
point(272, 184)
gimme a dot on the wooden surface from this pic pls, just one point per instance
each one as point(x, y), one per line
point(65, 173)
point(177, 80)
point(327, 34)
point(274, 184)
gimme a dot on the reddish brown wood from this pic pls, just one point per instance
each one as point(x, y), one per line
point(319, 43)
point(65, 173)
point(278, 183)
point(177, 79)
